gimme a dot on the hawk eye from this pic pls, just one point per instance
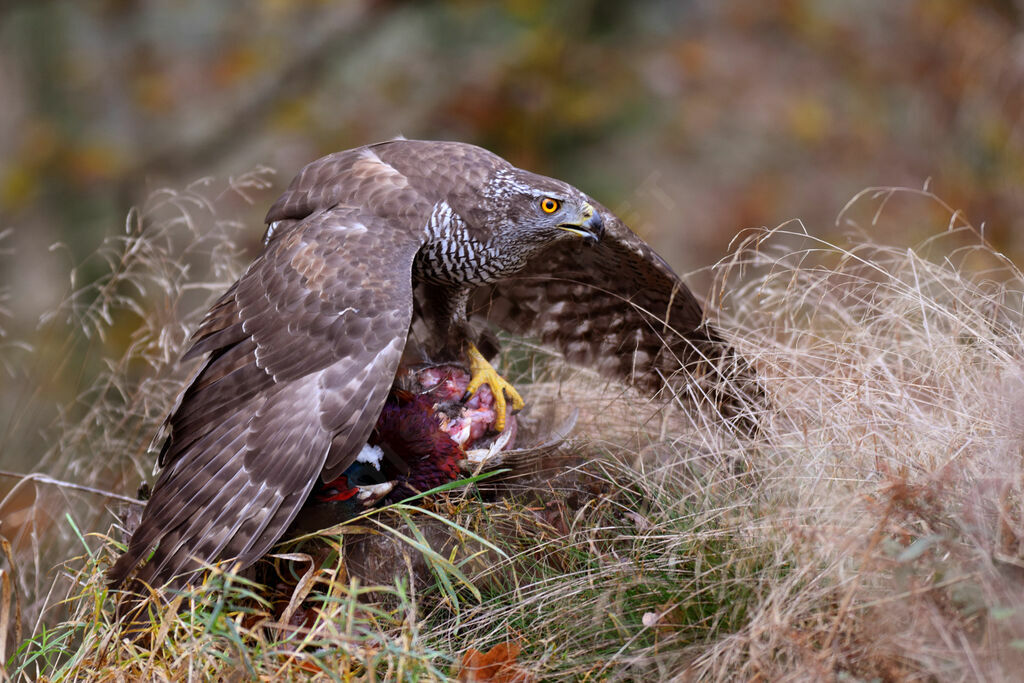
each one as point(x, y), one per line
point(549, 205)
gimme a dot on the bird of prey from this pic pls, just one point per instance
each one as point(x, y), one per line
point(364, 246)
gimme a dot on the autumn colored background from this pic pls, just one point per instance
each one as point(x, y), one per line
point(694, 120)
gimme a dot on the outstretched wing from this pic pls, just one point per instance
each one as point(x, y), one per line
point(303, 349)
point(616, 306)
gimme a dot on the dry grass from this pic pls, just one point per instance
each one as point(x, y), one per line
point(873, 531)
point(894, 465)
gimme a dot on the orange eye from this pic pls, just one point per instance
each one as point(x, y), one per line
point(549, 205)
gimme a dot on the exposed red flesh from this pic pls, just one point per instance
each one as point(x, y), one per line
point(446, 384)
point(430, 429)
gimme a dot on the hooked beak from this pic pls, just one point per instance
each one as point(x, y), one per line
point(590, 226)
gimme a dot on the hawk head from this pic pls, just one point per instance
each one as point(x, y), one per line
point(523, 213)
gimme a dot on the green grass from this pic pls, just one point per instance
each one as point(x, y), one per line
point(603, 576)
point(873, 531)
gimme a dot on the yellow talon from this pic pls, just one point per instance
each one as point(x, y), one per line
point(482, 372)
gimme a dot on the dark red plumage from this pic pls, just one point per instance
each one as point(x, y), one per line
point(409, 429)
point(418, 453)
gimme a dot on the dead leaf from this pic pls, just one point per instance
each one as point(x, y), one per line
point(497, 665)
point(641, 522)
point(302, 588)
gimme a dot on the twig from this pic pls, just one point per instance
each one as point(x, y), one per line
point(47, 479)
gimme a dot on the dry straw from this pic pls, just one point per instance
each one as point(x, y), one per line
point(873, 529)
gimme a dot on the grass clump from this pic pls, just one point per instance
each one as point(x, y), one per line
point(872, 531)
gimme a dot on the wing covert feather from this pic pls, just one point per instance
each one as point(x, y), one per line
point(618, 307)
point(303, 349)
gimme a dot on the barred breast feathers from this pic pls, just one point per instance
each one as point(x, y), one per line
point(451, 255)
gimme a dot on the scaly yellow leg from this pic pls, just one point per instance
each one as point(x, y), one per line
point(482, 372)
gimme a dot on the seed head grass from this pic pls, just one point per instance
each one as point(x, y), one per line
point(871, 530)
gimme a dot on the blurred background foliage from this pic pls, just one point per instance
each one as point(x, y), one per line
point(693, 120)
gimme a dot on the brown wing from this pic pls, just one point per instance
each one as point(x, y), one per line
point(619, 308)
point(304, 348)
